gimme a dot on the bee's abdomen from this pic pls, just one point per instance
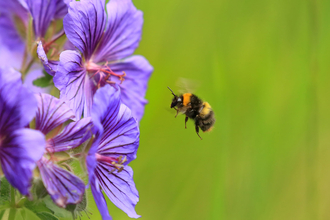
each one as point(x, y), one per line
point(206, 122)
point(206, 110)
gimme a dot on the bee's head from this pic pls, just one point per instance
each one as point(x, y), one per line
point(176, 100)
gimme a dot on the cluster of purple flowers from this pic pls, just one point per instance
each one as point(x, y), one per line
point(83, 49)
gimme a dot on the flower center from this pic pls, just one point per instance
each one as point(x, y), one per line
point(116, 163)
point(103, 72)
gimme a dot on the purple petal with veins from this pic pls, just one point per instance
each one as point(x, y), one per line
point(18, 158)
point(120, 136)
point(84, 25)
point(17, 104)
point(63, 187)
point(99, 199)
point(76, 87)
point(43, 12)
point(80, 77)
point(123, 31)
point(51, 113)
point(133, 89)
point(17, 108)
point(12, 15)
point(61, 8)
point(115, 145)
point(105, 107)
point(72, 136)
point(119, 187)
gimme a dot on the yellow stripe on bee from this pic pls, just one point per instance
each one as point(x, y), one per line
point(186, 98)
point(206, 109)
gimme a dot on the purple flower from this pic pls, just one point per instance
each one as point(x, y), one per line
point(14, 16)
point(115, 145)
point(63, 186)
point(6, 57)
point(13, 23)
point(105, 41)
point(43, 12)
point(20, 147)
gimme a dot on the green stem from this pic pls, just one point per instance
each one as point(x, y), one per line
point(25, 56)
point(12, 214)
point(27, 68)
point(12, 211)
point(12, 195)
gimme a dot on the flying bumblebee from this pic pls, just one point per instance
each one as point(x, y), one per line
point(194, 108)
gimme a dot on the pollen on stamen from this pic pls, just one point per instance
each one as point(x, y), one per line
point(116, 163)
point(104, 72)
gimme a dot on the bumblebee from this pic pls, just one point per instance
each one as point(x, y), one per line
point(194, 108)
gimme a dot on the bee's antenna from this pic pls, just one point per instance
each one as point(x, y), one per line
point(171, 91)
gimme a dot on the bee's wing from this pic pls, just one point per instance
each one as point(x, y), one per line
point(172, 111)
point(187, 85)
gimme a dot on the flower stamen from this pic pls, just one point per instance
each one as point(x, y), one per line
point(104, 72)
point(115, 163)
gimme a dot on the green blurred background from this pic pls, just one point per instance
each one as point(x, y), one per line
point(264, 68)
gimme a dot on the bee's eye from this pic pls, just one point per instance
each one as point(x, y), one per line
point(174, 103)
point(179, 100)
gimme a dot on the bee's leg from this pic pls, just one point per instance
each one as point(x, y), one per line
point(197, 131)
point(185, 122)
point(177, 112)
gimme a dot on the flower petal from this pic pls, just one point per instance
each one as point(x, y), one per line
point(49, 65)
point(10, 36)
point(123, 32)
point(69, 46)
point(17, 104)
point(133, 89)
point(63, 187)
point(51, 113)
point(84, 25)
point(6, 56)
point(106, 106)
point(119, 187)
point(72, 136)
point(9, 75)
point(117, 135)
point(99, 199)
point(42, 12)
point(120, 136)
point(119, 132)
point(19, 152)
point(61, 8)
point(75, 86)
